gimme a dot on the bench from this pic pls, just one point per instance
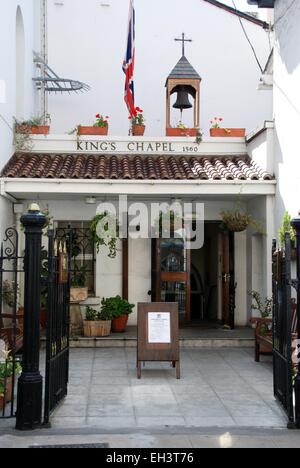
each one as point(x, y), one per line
point(264, 339)
point(12, 336)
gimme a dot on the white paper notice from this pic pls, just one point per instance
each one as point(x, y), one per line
point(159, 327)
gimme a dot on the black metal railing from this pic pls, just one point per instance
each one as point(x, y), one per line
point(11, 321)
point(58, 319)
point(286, 332)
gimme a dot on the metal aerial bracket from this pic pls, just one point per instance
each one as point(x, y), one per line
point(52, 83)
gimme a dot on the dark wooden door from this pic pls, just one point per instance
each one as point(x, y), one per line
point(171, 265)
point(228, 279)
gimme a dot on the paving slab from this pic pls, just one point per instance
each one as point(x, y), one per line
point(219, 389)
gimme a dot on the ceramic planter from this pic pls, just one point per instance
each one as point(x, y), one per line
point(33, 130)
point(78, 294)
point(96, 328)
point(119, 324)
point(138, 130)
point(181, 132)
point(228, 132)
point(92, 130)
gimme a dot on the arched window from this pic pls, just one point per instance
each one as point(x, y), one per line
point(20, 64)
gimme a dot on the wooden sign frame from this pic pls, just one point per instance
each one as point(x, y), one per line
point(155, 351)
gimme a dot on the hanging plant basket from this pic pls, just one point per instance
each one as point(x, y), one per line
point(236, 221)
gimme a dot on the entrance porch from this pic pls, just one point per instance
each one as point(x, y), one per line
point(190, 338)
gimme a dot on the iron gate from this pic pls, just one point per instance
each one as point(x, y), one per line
point(284, 328)
point(58, 318)
point(11, 320)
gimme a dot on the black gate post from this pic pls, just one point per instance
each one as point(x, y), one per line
point(30, 384)
point(296, 226)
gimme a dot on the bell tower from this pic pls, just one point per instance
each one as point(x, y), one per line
point(185, 81)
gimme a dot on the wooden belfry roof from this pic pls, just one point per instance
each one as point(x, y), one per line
point(132, 167)
point(184, 69)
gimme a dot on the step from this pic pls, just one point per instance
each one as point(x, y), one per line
point(185, 343)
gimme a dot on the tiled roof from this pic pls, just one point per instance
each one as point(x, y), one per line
point(184, 69)
point(130, 167)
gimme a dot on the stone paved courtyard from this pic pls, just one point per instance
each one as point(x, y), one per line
point(219, 388)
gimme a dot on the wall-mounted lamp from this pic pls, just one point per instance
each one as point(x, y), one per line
point(90, 200)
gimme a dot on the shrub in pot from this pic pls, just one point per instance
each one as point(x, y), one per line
point(286, 227)
point(97, 324)
point(7, 370)
point(119, 309)
point(38, 125)
point(79, 292)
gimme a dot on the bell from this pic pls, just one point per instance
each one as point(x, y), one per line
point(182, 99)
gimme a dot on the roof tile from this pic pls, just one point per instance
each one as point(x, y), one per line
point(130, 167)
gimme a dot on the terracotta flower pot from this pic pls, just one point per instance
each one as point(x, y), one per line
point(228, 132)
point(119, 324)
point(138, 130)
point(92, 130)
point(181, 132)
point(33, 130)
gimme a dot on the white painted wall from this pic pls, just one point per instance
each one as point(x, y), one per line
point(6, 217)
point(260, 147)
point(88, 43)
point(17, 96)
point(109, 271)
point(9, 66)
point(287, 107)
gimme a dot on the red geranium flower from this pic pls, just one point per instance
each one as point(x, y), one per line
point(98, 116)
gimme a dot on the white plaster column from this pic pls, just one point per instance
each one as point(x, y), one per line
point(240, 247)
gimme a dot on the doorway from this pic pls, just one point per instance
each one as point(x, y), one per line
point(201, 281)
point(204, 278)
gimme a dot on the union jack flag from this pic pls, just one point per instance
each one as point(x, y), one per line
point(128, 64)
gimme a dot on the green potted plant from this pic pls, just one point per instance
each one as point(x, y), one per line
point(217, 131)
point(286, 226)
point(110, 234)
point(7, 370)
point(97, 324)
point(119, 309)
point(79, 291)
point(100, 127)
point(264, 307)
point(137, 122)
point(38, 125)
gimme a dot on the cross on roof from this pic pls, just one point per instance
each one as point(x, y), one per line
point(183, 40)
